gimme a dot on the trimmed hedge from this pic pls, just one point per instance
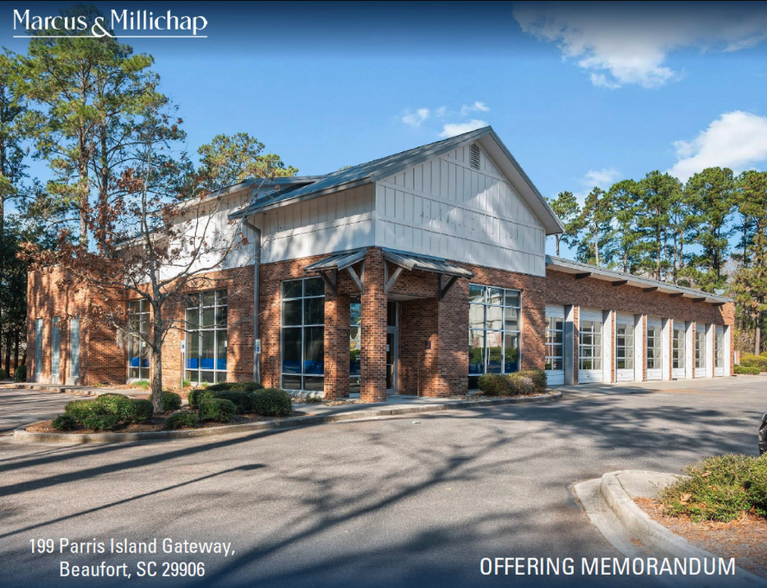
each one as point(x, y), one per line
point(181, 420)
point(138, 411)
point(271, 402)
point(79, 410)
point(2, 373)
point(751, 360)
point(101, 422)
point(747, 370)
point(198, 394)
point(170, 401)
point(217, 409)
point(525, 382)
point(719, 488)
point(115, 404)
point(64, 422)
point(20, 373)
point(240, 399)
point(494, 385)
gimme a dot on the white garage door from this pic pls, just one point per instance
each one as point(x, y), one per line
point(555, 345)
point(719, 351)
point(590, 346)
point(654, 352)
point(701, 353)
point(624, 348)
point(678, 351)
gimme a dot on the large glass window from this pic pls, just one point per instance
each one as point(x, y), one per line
point(55, 347)
point(206, 336)
point(355, 346)
point(624, 347)
point(700, 348)
point(653, 348)
point(138, 352)
point(494, 327)
point(303, 335)
point(719, 348)
point(590, 346)
point(555, 356)
point(677, 349)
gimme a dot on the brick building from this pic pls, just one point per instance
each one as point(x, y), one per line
point(410, 274)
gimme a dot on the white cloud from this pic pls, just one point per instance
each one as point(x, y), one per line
point(603, 178)
point(452, 129)
point(737, 140)
point(415, 119)
point(441, 111)
point(628, 43)
point(478, 106)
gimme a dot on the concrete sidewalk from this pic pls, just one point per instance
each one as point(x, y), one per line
point(74, 390)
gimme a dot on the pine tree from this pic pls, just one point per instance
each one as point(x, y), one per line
point(658, 192)
point(566, 207)
point(710, 196)
point(597, 231)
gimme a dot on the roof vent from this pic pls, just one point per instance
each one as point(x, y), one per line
point(474, 156)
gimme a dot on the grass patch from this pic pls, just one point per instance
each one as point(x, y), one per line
point(719, 488)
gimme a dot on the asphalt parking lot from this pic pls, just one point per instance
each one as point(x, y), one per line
point(390, 502)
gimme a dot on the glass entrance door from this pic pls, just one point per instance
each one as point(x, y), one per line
point(392, 347)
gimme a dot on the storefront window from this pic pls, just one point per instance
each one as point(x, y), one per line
point(494, 328)
point(206, 336)
point(303, 335)
point(355, 347)
point(138, 352)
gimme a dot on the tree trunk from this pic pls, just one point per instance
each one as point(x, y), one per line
point(156, 361)
point(758, 336)
point(556, 237)
point(15, 351)
point(8, 337)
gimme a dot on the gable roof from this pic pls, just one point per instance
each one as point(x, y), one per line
point(622, 278)
point(378, 169)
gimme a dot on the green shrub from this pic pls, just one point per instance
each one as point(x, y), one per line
point(539, 380)
point(521, 383)
point(220, 386)
point(186, 383)
point(195, 396)
point(751, 360)
point(143, 384)
point(494, 385)
point(82, 409)
point(240, 399)
point(115, 404)
point(101, 422)
point(137, 411)
point(20, 373)
point(181, 420)
point(2, 373)
point(246, 386)
point(64, 422)
point(719, 489)
point(271, 402)
point(217, 409)
point(170, 401)
point(747, 370)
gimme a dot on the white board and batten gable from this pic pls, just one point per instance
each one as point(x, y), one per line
point(460, 206)
point(463, 199)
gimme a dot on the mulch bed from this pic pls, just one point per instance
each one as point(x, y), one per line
point(744, 539)
point(156, 424)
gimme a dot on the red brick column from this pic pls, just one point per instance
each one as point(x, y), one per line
point(337, 321)
point(453, 341)
point(373, 356)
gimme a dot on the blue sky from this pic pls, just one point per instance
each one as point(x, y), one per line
point(581, 94)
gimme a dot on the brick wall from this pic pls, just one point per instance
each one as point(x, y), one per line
point(50, 294)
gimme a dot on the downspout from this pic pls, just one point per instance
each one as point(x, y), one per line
point(256, 286)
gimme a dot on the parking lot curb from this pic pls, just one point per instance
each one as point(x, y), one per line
point(21, 435)
point(655, 537)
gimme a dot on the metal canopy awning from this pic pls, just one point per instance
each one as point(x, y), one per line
point(329, 267)
point(408, 261)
